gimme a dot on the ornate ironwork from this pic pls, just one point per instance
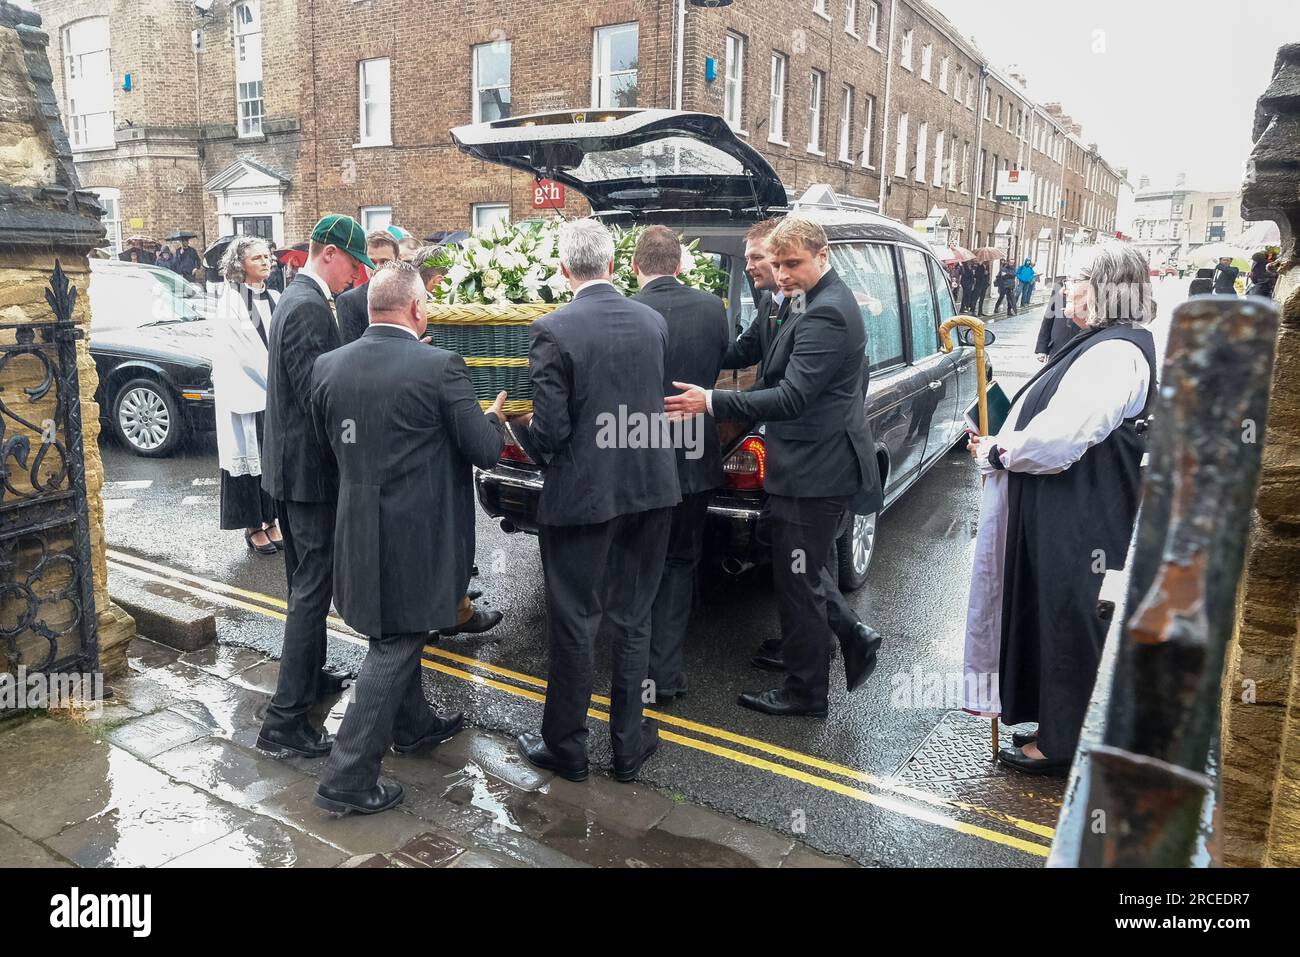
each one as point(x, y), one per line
point(47, 602)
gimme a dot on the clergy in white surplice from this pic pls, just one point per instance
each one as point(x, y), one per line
point(1061, 493)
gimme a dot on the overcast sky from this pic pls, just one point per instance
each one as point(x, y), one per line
point(1162, 86)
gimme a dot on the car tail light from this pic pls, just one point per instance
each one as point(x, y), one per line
point(511, 451)
point(746, 468)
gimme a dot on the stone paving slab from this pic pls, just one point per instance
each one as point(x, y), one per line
point(762, 847)
point(636, 807)
point(262, 843)
point(18, 851)
point(223, 661)
point(354, 833)
point(227, 771)
point(155, 733)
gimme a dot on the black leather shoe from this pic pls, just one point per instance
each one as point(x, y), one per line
point(332, 680)
point(442, 730)
point(304, 741)
point(768, 645)
point(626, 771)
point(667, 697)
point(860, 655)
point(381, 797)
point(478, 623)
point(1020, 740)
point(769, 660)
point(532, 747)
point(473, 594)
point(473, 571)
point(776, 701)
point(1016, 759)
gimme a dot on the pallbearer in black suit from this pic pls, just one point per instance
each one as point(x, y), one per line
point(698, 338)
point(821, 464)
point(597, 371)
point(751, 346)
point(382, 248)
point(404, 442)
point(299, 474)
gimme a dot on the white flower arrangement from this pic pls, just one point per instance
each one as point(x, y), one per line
point(516, 263)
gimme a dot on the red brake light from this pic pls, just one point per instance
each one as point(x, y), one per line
point(511, 452)
point(746, 468)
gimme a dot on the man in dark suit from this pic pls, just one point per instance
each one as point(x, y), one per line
point(821, 464)
point(299, 474)
point(381, 247)
point(403, 443)
point(597, 368)
point(750, 346)
point(698, 338)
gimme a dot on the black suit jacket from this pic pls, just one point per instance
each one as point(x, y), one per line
point(811, 395)
point(597, 368)
point(698, 338)
point(294, 464)
point(404, 443)
point(353, 313)
point(752, 345)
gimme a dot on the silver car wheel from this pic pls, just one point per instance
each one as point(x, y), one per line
point(144, 418)
point(864, 542)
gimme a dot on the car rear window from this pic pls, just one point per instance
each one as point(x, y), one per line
point(869, 271)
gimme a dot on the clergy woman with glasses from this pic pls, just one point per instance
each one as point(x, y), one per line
point(1062, 485)
point(243, 323)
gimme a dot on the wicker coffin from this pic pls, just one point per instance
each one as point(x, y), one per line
point(493, 340)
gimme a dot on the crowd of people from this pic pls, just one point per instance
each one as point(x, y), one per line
point(364, 483)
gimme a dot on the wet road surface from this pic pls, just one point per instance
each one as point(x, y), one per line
point(895, 776)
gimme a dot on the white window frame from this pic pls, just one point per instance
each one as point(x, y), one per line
point(110, 197)
point(900, 145)
point(956, 83)
point(250, 91)
point(733, 97)
point(965, 168)
point(927, 60)
point(602, 81)
point(816, 99)
point(819, 8)
point(382, 135)
point(494, 211)
point(79, 88)
point(851, 19)
point(873, 23)
point(922, 149)
point(905, 51)
point(938, 160)
point(943, 74)
point(478, 86)
point(868, 131)
point(846, 125)
point(776, 99)
point(370, 214)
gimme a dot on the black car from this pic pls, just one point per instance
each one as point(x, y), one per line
point(690, 171)
point(151, 340)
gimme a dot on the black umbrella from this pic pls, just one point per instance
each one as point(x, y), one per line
point(447, 237)
point(183, 235)
point(212, 255)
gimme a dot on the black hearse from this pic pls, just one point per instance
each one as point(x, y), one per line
point(691, 172)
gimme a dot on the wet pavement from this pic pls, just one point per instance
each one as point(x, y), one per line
point(167, 775)
point(895, 776)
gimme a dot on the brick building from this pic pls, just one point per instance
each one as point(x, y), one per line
point(259, 115)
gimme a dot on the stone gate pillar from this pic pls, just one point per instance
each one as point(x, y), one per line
point(44, 217)
point(1261, 687)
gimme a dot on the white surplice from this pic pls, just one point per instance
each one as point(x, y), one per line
point(239, 360)
point(1104, 386)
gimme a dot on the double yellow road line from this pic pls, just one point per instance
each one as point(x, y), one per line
point(1008, 830)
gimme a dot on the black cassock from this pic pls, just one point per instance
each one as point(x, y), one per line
point(1063, 531)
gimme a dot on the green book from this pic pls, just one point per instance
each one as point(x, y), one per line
point(999, 408)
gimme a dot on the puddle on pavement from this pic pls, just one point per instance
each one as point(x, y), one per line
point(574, 831)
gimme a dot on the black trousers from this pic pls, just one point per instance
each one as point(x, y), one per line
point(607, 571)
point(308, 531)
point(672, 605)
point(388, 705)
point(1010, 296)
point(808, 597)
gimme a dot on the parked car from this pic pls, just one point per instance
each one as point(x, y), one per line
point(150, 337)
point(690, 171)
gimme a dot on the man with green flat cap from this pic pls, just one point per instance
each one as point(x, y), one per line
point(300, 475)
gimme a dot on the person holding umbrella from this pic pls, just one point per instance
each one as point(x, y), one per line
point(1225, 277)
point(186, 260)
